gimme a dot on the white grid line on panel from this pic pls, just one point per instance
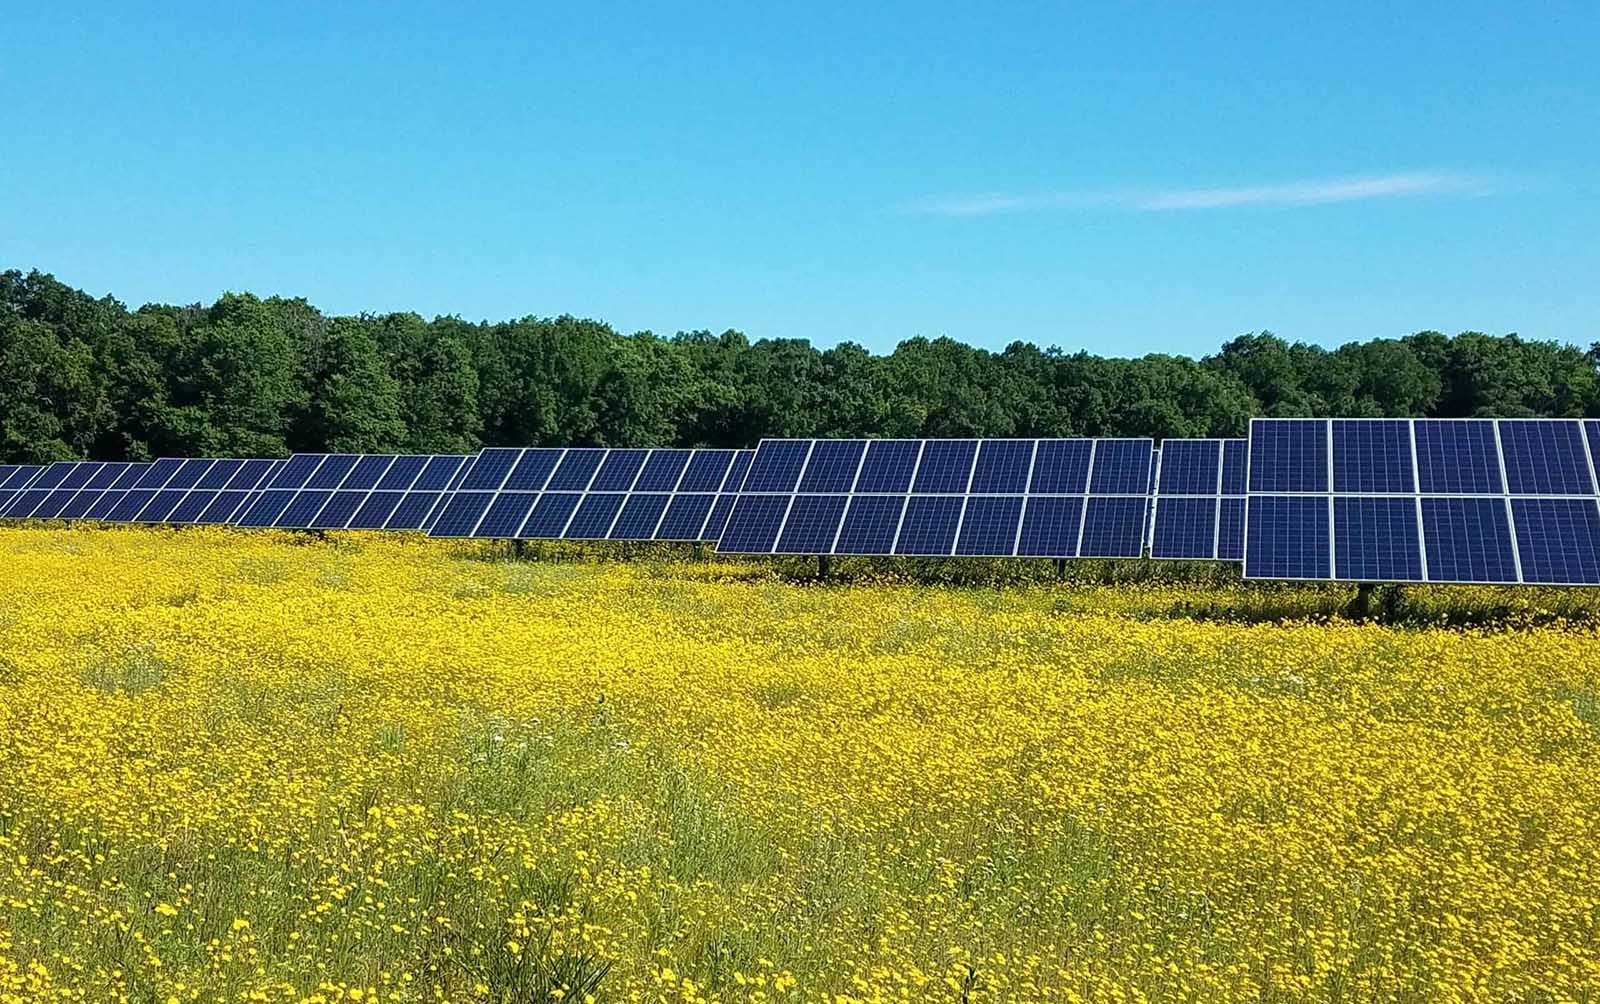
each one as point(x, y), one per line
point(1083, 514)
point(900, 524)
point(1511, 516)
point(800, 476)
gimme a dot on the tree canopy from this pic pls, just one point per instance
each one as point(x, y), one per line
point(247, 376)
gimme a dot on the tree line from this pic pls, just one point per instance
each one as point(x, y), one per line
point(264, 377)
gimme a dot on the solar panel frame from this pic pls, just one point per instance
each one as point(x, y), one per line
point(972, 472)
point(1568, 472)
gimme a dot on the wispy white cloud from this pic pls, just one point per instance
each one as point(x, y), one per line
point(1288, 194)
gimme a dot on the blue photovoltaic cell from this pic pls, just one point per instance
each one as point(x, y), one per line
point(812, 523)
point(414, 511)
point(639, 516)
point(54, 475)
point(685, 517)
point(188, 474)
point(532, 470)
point(364, 476)
point(1061, 467)
point(738, 471)
point(297, 471)
point(160, 506)
point(79, 475)
point(223, 508)
point(299, 513)
point(1287, 536)
point(1372, 456)
point(1121, 467)
point(81, 501)
point(777, 465)
point(18, 476)
point(1457, 457)
point(506, 514)
point(1113, 527)
point(929, 524)
point(595, 514)
point(1288, 455)
point(1235, 453)
point(106, 476)
point(25, 502)
point(129, 506)
point(402, 473)
point(374, 513)
point(1545, 457)
point(753, 527)
point(575, 471)
point(1189, 467)
point(332, 471)
point(490, 469)
point(706, 470)
point(989, 525)
point(192, 505)
point(52, 502)
point(662, 471)
point(870, 524)
point(1468, 539)
point(335, 515)
point(1184, 527)
point(551, 514)
point(439, 473)
point(1592, 430)
point(946, 467)
point(1002, 468)
point(889, 465)
point(462, 513)
point(219, 474)
point(618, 471)
point(832, 467)
point(717, 522)
point(1230, 530)
point(1050, 526)
point(1375, 539)
point(1558, 540)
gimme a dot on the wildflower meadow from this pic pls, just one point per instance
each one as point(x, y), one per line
point(264, 767)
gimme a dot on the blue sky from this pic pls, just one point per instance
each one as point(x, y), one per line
point(1119, 178)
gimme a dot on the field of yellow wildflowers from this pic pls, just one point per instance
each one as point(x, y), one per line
point(272, 768)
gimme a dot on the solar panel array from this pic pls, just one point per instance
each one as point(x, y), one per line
point(356, 491)
point(1367, 500)
point(596, 494)
point(1199, 503)
point(14, 478)
point(167, 491)
point(1054, 498)
point(1424, 500)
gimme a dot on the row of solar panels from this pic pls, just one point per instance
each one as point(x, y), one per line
point(668, 494)
point(367, 492)
point(1472, 500)
point(582, 493)
point(1492, 501)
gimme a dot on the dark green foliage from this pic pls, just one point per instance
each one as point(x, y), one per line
point(246, 376)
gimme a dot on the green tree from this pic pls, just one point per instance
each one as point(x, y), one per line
point(354, 402)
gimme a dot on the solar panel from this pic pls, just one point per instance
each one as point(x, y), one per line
point(1424, 500)
point(28, 504)
point(596, 493)
point(174, 490)
point(944, 497)
point(1199, 500)
point(352, 491)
